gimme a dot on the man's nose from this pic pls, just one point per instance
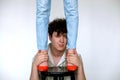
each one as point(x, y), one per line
point(62, 39)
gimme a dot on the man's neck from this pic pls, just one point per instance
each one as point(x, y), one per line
point(56, 55)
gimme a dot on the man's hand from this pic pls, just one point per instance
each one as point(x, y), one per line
point(74, 59)
point(39, 58)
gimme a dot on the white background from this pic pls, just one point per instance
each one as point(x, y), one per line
point(98, 37)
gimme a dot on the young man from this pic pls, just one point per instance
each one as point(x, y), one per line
point(42, 20)
point(57, 52)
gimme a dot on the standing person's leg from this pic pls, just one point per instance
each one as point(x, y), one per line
point(72, 18)
point(42, 20)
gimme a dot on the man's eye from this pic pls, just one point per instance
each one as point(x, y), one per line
point(57, 35)
point(65, 36)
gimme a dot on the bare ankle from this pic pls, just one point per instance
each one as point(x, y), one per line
point(42, 51)
point(71, 51)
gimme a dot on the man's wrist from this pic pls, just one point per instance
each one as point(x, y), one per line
point(80, 66)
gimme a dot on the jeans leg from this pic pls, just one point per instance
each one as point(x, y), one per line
point(72, 18)
point(42, 20)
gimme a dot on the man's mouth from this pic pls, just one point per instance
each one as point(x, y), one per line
point(61, 45)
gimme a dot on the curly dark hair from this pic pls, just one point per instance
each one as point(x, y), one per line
point(57, 25)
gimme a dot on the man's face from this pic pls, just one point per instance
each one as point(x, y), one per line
point(58, 41)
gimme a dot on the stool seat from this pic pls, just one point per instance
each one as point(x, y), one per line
point(58, 73)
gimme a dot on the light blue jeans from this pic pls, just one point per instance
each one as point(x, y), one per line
point(42, 20)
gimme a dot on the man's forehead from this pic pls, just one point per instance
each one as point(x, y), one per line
point(59, 33)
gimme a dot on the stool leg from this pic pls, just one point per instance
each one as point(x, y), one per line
point(61, 78)
point(73, 77)
point(43, 76)
point(55, 78)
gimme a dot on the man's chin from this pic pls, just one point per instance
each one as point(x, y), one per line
point(62, 49)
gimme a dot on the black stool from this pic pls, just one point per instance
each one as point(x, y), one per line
point(58, 73)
